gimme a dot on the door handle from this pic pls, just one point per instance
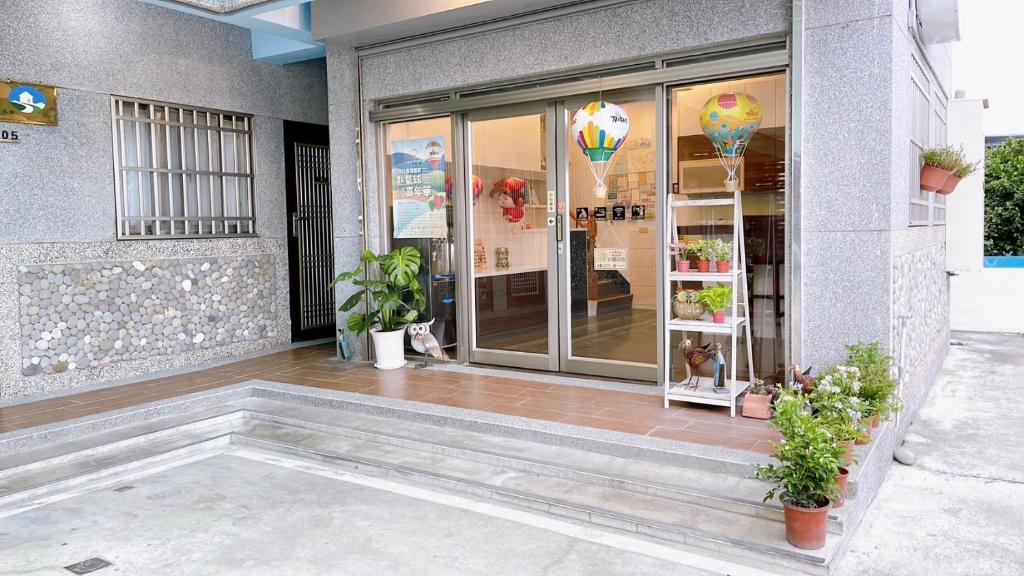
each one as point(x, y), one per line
point(295, 224)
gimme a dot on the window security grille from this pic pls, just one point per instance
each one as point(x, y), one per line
point(182, 172)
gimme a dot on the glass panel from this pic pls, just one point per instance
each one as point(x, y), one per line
point(762, 179)
point(614, 301)
point(417, 165)
point(510, 235)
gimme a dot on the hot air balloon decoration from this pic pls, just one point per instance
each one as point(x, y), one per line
point(512, 193)
point(435, 154)
point(730, 120)
point(478, 187)
point(600, 129)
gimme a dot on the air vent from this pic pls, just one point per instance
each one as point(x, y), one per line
point(713, 56)
point(419, 100)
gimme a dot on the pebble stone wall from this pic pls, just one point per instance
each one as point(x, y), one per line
point(920, 298)
point(88, 315)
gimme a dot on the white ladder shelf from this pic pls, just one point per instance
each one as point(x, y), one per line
point(739, 320)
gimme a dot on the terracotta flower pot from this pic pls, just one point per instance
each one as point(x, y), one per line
point(806, 527)
point(848, 453)
point(933, 177)
point(757, 406)
point(682, 265)
point(722, 267)
point(844, 476)
point(949, 185)
point(865, 440)
point(703, 266)
point(875, 421)
point(718, 317)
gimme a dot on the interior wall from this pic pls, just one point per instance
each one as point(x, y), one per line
point(59, 186)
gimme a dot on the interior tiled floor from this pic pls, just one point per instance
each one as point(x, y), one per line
point(314, 366)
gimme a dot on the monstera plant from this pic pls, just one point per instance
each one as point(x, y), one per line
point(395, 298)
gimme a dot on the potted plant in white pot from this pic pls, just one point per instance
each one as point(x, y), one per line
point(806, 476)
point(395, 300)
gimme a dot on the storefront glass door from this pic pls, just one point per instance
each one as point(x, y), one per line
point(513, 298)
point(563, 276)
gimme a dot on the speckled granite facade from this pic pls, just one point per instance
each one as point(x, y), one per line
point(73, 315)
point(83, 315)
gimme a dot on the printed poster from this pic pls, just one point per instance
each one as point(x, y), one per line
point(418, 196)
point(610, 259)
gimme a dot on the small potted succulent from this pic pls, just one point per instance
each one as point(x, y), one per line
point(716, 299)
point(686, 305)
point(805, 477)
point(681, 251)
point(722, 251)
point(757, 403)
point(703, 250)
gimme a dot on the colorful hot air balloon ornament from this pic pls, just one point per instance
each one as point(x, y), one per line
point(730, 120)
point(600, 129)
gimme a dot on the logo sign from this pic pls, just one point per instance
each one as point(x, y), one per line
point(27, 103)
point(582, 214)
point(610, 259)
point(618, 212)
point(601, 213)
point(639, 211)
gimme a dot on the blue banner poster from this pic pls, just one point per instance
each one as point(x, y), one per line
point(418, 188)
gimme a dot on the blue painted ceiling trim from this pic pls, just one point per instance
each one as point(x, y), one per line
point(271, 41)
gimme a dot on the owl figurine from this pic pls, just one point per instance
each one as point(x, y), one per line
point(424, 342)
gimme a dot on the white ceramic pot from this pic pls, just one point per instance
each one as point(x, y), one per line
point(389, 348)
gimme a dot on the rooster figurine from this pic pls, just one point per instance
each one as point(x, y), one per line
point(424, 342)
point(695, 358)
point(803, 379)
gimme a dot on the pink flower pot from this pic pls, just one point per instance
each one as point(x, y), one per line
point(682, 265)
point(718, 317)
point(949, 185)
point(722, 267)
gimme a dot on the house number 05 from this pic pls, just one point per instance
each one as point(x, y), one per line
point(9, 136)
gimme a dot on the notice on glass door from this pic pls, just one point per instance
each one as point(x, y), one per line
point(418, 196)
point(610, 259)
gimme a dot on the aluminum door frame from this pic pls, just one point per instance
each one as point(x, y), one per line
point(599, 366)
point(532, 361)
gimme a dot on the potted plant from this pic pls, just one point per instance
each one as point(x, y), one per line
point(835, 402)
point(877, 386)
point(686, 305)
point(805, 478)
point(962, 169)
point(682, 253)
point(395, 299)
point(757, 403)
point(703, 251)
point(716, 299)
point(842, 480)
point(937, 165)
point(722, 251)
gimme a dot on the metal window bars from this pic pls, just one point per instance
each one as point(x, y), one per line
point(182, 172)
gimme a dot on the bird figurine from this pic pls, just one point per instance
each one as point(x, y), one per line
point(423, 340)
point(803, 379)
point(695, 358)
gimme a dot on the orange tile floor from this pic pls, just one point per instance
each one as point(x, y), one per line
point(314, 366)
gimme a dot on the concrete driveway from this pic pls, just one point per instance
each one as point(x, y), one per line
point(960, 509)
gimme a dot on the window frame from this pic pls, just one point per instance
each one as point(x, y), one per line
point(933, 202)
point(151, 224)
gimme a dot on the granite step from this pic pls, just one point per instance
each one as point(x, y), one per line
point(741, 538)
point(694, 485)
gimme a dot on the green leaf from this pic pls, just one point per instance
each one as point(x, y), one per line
point(352, 302)
point(357, 322)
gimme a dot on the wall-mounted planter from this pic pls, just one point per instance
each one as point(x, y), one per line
point(933, 178)
point(949, 185)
